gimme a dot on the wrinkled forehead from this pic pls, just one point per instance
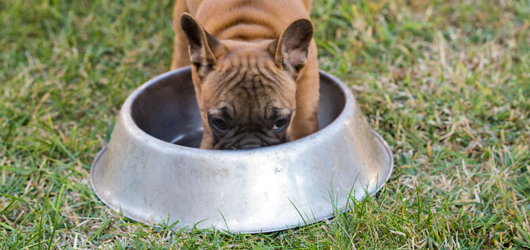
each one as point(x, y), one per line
point(247, 84)
point(248, 71)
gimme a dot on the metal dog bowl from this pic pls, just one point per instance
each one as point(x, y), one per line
point(152, 168)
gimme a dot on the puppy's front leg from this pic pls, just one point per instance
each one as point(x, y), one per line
point(305, 121)
point(181, 56)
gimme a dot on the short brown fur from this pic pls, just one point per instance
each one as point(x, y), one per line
point(254, 65)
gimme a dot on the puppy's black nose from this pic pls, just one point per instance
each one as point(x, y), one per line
point(250, 141)
point(249, 146)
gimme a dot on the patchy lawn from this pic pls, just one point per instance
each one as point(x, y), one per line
point(447, 84)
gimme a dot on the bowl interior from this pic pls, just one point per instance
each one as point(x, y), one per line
point(167, 108)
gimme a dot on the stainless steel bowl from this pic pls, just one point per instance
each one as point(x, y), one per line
point(152, 167)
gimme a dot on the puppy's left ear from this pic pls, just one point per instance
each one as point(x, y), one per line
point(204, 49)
point(292, 48)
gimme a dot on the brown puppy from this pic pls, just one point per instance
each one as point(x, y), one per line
point(254, 67)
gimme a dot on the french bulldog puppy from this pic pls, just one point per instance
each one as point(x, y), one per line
point(254, 68)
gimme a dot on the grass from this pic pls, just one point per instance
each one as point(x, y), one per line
point(447, 84)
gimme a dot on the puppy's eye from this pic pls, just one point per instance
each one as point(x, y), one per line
point(219, 124)
point(280, 124)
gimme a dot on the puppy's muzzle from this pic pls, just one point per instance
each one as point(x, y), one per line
point(250, 141)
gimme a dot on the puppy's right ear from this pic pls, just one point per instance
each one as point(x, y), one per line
point(203, 47)
point(291, 50)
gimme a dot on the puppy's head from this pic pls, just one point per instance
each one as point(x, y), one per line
point(247, 90)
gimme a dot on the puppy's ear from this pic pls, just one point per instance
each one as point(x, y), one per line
point(203, 47)
point(292, 48)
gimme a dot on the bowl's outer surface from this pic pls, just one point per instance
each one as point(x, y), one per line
point(257, 190)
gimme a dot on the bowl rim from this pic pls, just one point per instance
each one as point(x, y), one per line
point(349, 102)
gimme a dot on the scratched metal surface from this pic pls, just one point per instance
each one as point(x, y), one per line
point(146, 173)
